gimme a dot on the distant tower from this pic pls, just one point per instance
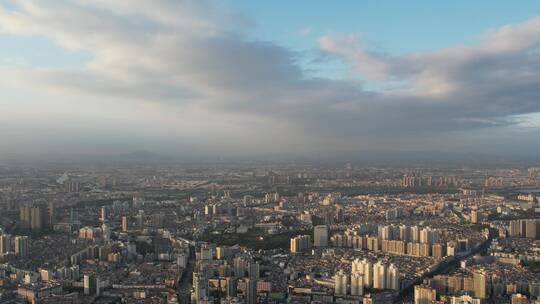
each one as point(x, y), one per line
point(52, 215)
point(25, 217)
point(103, 216)
point(125, 223)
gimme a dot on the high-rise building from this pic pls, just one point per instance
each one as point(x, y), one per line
point(103, 216)
point(532, 228)
point(5, 243)
point(221, 252)
point(232, 284)
point(480, 285)
point(404, 233)
point(415, 234)
point(91, 285)
point(529, 228)
point(73, 216)
point(357, 266)
point(72, 186)
point(392, 278)
point(25, 217)
point(300, 243)
point(357, 284)
point(372, 243)
point(52, 215)
point(200, 288)
point(320, 236)
point(514, 228)
point(438, 250)
point(429, 235)
point(240, 266)
point(206, 253)
point(474, 216)
point(340, 283)
point(21, 246)
point(140, 219)
point(125, 223)
point(106, 232)
point(451, 248)
point(365, 268)
point(462, 245)
point(424, 295)
point(379, 275)
point(36, 217)
point(158, 220)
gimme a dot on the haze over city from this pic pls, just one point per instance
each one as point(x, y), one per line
point(242, 78)
point(269, 152)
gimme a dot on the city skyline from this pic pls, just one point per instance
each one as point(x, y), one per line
point(235, 78)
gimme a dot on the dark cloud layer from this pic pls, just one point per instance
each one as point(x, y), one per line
point(191, 57)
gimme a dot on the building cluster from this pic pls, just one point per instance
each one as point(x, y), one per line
point(268, 233)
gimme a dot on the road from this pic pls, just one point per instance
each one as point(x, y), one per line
point(184, 286)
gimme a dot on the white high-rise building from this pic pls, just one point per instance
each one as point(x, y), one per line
point(103, 216)
point(357, 284)
point(357, 266)
point(365, 268)
point(429, 235)
point(340, 283)
point(320, 236)
point(379, 275)
point(415, 234)
point(392, 278)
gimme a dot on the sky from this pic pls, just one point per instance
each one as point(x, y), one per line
point(239, 77)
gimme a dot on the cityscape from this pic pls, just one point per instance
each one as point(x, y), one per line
point(269, 233)
point(269, 152)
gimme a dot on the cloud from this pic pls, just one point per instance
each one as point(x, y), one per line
point(479, 85)
point(191, 60)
